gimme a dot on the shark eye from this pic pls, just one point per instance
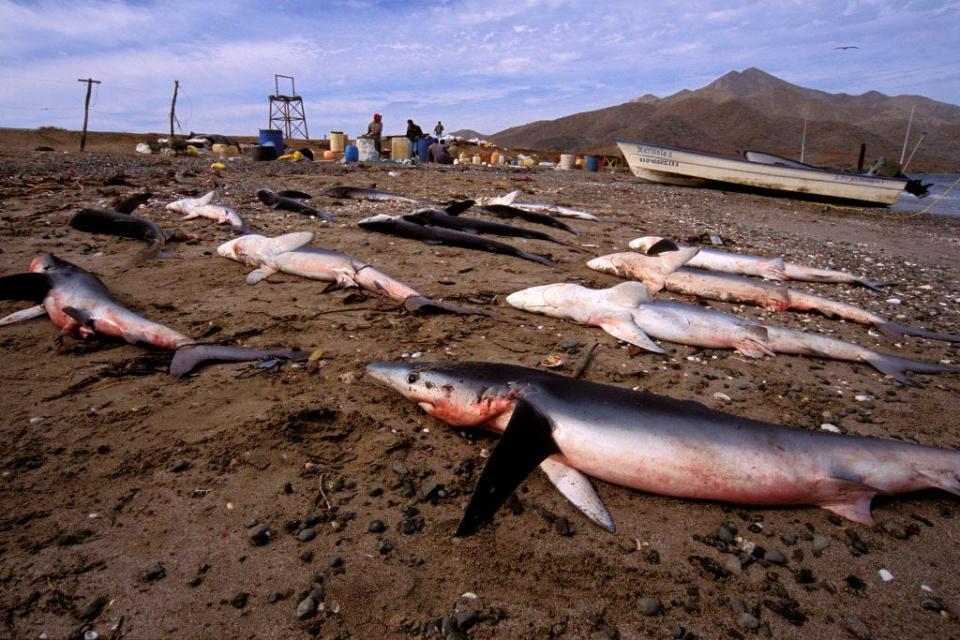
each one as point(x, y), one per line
point(412, 377)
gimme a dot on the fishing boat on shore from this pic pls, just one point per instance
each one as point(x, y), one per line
point(760, 171)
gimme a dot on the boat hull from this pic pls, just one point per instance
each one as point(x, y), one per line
point(671, 165)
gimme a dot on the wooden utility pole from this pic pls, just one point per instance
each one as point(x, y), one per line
point(86, 109)
point(173, 106)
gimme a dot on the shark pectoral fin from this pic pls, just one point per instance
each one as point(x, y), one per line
point(623, 328)
point(24, 286)
point(262, 273)
point(855, 505)
point(754, 343)
point(24, 314)
point(457, 208)
point(673, 260)
point(775, 269)
point(577, 488)
point(190, 216)
point(526, 442)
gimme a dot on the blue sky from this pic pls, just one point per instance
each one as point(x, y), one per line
point(480, 65)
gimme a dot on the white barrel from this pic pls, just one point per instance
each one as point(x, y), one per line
point(366, 149)
point(477, 159)
point(566, 161)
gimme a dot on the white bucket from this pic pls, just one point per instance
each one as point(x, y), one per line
point(366, 149)
point(566, 161)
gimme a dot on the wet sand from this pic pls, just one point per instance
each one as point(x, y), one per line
point(122, 484)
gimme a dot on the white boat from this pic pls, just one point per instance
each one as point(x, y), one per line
point(684, 167)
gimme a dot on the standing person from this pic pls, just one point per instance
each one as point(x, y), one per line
point(438, 130)
point(414, 132)
point(375, 130)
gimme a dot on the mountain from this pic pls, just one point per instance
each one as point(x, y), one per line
point(467, 134)
point(752, 109)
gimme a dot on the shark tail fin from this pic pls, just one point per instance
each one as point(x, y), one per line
point(526, 442)
point(897, 367)
point(189, 357)
point(128, 205)
point(874, 285)
point(895, 331)
point(425, 306)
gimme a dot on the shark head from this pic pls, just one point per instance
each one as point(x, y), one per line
point(376, 222)
point(49, 263)
point(460, 394)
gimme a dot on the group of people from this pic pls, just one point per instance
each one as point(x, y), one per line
point(436, 152)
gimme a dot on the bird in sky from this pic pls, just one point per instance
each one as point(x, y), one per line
point(845, 48)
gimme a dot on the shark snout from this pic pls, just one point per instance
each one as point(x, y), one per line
point(392, 374)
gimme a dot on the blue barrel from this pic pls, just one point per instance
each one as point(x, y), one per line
point(351, 153)
point(590, 163)
point(273, 137)
point(422, 145)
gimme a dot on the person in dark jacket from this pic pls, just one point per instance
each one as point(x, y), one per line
point(414, 132)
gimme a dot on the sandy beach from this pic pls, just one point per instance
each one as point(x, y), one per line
point(143, 506)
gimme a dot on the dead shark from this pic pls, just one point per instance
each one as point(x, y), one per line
point(663, 272)
point(82, 306)
point(288, 254)
point(629, 312)
point(770, 268)
point(657, 444)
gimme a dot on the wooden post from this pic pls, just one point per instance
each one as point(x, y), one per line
point(173, 106)
point(86, 109)
point(863, 152)
point(803, 140)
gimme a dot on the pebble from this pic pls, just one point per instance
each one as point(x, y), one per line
point(240, 600)
point(931, 605)
point(719, 395)
point(820, 543)
point(155, 573)
point(649, 606)
point(774, 556)
point(733, 565)
point(748, 621)
point(384, 547)
point(885, 575)
point(857, 628)
point(307, 555)
point(336, 562)
point(724, 534)
point(832, 428)
point(274, 597)
point(377, 526)
point(306, 608)
point(739, 604)
point(306, 535)
point(788, 539)
point(180, 466)
point(90, 635)
point(259, 535)
point(893, 301)
point(94, 609)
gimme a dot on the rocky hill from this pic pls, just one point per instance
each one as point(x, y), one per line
point(755, 110)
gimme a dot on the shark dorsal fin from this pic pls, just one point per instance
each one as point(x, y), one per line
point(630, 294)
point(205, 199)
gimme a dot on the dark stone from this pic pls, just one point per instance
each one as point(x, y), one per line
point(307, 555)
point(308, 534)
point(259, 535)
point(92, 610)
point(336, 562)
point(377, 526)
point(156, 572)
point(180, 466)
point(274, 597)
point(649, 606)
point(384, 547)
point(240, 600)
point(291, 525)
point(710, 567)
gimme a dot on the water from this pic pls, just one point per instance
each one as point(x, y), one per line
point(947, 206)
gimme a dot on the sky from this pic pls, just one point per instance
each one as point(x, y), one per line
point(482, 65)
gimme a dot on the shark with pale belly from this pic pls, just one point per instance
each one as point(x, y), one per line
point(656, 444)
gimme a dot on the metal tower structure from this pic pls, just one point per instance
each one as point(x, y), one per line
point(286, 111)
